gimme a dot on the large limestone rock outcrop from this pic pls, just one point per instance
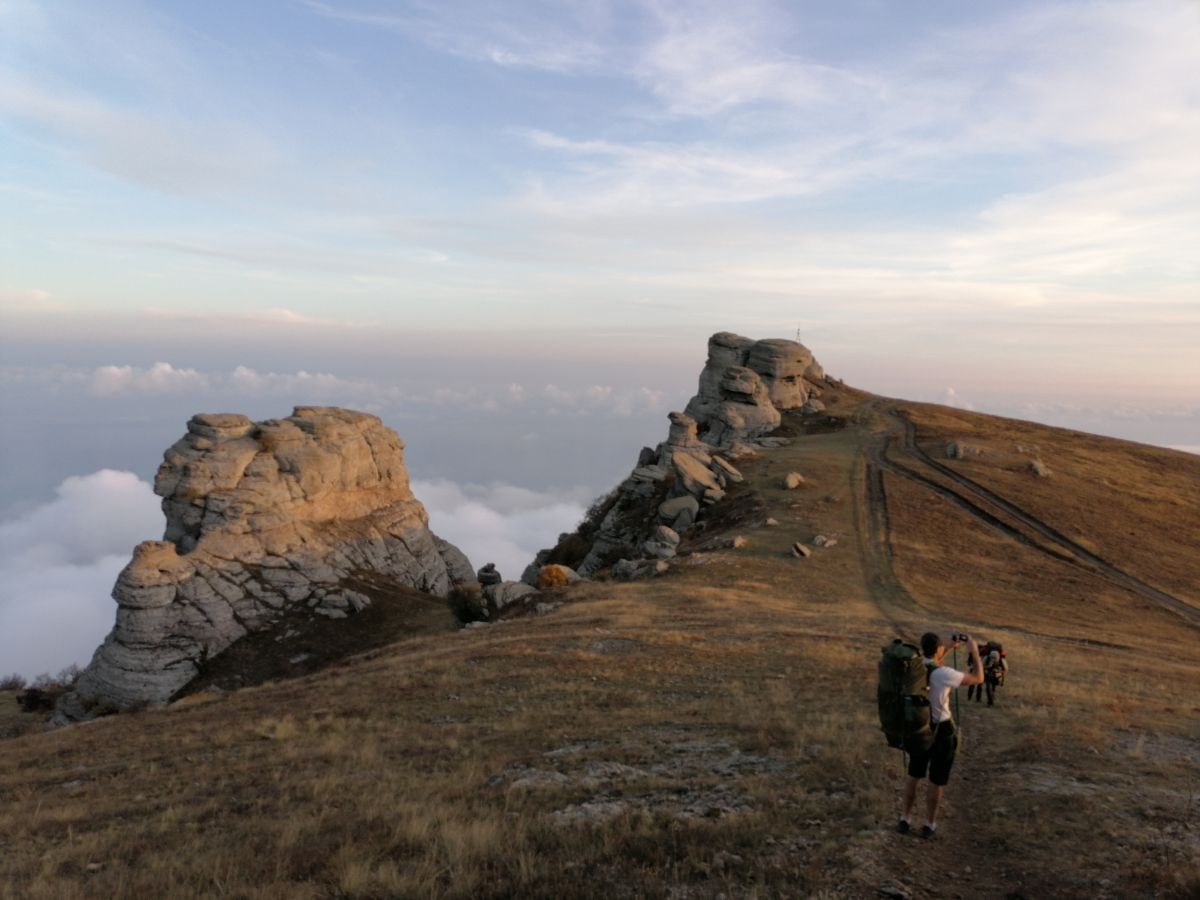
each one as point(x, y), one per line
point(745, 384)
point(313, 511)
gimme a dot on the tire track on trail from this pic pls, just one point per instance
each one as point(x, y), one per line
point(1060, 546)
point(873, 526)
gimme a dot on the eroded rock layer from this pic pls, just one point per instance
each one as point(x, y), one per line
point(744, 387)
point(745, 384)
point(261, 516)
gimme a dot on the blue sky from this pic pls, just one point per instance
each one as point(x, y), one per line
point(572, 164)
point(510, 228)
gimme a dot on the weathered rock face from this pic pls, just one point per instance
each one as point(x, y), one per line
point(262, 516)
point(743, 388)
point(746, 383)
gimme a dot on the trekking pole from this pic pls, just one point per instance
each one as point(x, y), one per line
point(956, 718)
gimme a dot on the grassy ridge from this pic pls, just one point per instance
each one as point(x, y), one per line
point(711, 732)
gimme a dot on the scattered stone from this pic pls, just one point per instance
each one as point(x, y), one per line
point(812, 407)
point(792, 480)
point(961, 450)
point(894, 891)
point(822, 541)
point(801, 550)
point(771, 522)
point(1038, 468)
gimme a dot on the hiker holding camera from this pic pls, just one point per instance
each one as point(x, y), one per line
point(936, 756)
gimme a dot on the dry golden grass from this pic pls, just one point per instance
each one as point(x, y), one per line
point(712, 732)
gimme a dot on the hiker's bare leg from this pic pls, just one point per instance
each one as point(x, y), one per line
point(933, 798)
point(910, 796)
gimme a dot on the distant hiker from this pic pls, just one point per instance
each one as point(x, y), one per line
point(975, 691)
point(936, 758)
point(995, 667)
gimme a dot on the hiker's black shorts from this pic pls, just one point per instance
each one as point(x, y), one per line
point(938, 758)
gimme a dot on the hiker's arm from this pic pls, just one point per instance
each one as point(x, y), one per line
point(975, 676)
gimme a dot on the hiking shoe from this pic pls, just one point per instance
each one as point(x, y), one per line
point(926, 832)
point(903, 826)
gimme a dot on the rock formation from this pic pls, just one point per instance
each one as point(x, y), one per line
point(744, 387)
point(313, 511)
point(746, 383)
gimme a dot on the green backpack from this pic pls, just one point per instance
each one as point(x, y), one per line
point(903, 695)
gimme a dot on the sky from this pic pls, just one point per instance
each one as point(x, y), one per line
point(509, 229)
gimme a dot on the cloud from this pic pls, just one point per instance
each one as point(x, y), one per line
point(500, 523)
point(519, 39)
point(950, 397)
point(59, 560)
point(58, 563)
point(165, 379)
point(181, 155)
point(161, 378)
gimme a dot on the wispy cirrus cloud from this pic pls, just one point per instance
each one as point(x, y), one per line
point(532, 36)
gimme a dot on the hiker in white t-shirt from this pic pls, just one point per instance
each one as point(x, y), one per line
point(937, 757)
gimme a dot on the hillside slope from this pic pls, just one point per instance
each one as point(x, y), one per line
point(711, 732)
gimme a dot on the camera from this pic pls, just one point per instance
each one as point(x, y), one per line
point(959, 638)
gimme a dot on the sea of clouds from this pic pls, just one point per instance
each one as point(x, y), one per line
point(59, 559)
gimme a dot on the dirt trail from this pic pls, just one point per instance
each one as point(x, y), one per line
point(957, 862)
point(1074, 552)
point(1005, 517)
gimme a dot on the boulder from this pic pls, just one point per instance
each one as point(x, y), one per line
point(556, 576)
point(792, 480)
point(625, 569)
point(801, 550)
point(672, 510)
point(488, 575)
point(530, 575)
point(506, 593)
point(692, 475)
point(664, 535)
point(1038, 468)
point(658, 550)
point(261, 518)
point(961, 450)
point(652, 473)
point(744, 385)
